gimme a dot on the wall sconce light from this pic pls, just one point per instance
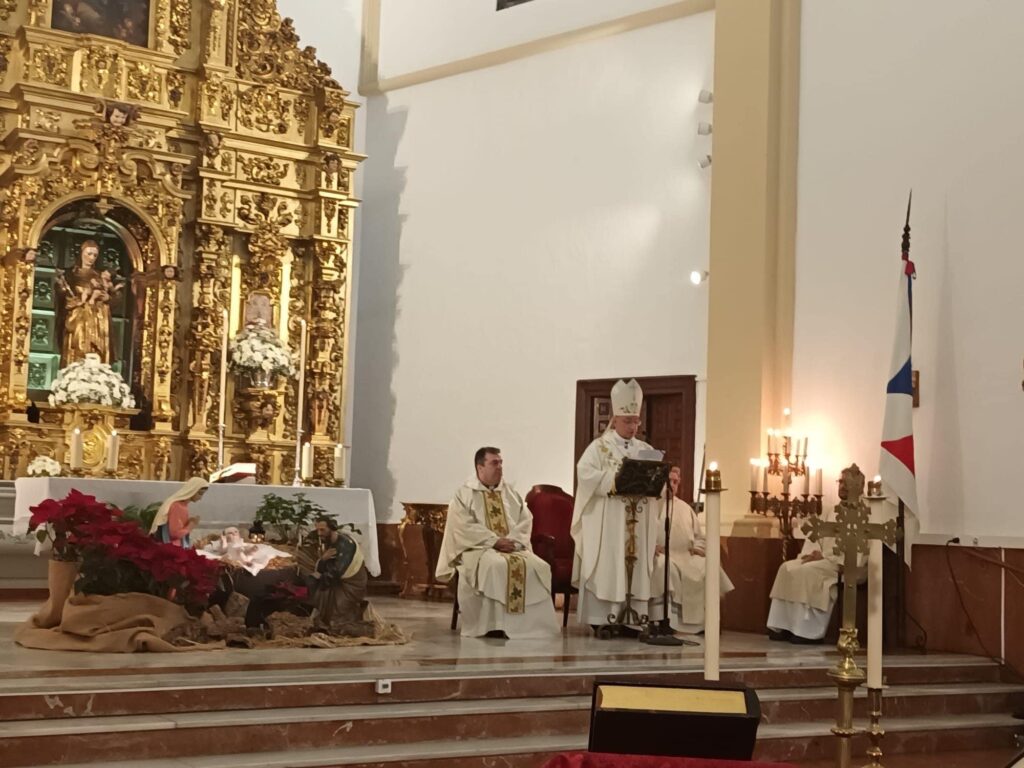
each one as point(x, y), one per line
point(706, 97)
point(698, 277)
point(703, 129)
point(704, 162)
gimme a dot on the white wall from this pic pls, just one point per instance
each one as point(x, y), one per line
point(523, 227)
point(924, 95)
point(416, 34)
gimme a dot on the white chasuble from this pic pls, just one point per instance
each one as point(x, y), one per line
point(599, 533)
point(686, 585)
point(805, 593)
point(510, 592)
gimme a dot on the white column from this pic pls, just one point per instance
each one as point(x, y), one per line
point(712, 585)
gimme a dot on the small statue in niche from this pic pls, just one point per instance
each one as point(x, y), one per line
point(87, 296)
point(330, 173)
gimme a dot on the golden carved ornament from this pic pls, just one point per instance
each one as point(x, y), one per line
point(264, 109)
point(38, 13)
point(211, 48)
point(28, 154)
point(267, 245)
point(268, 50)
point(101, 70)
point(23, 313)
point(6, 43)
point(7, 7)
point(204, 459)
point(162, 459)
point(144, 83)
point(181, 25)
point(297, 308)
point(175, 89)
point(335, 125)
point(220, 98)
point(263, 170)
point(50, 65)
point(46, 120)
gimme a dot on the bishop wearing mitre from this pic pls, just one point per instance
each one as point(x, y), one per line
point(599, 518)
point(504, 589)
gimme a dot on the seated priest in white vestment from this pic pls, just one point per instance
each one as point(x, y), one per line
point(689, 564)
point(599, 518)
point(504, 589)
point(805, 592)
point(806, 588)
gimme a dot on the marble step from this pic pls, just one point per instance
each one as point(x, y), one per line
point(936, 736)
point(190, 734)
point(180, 691)
point(801, 704)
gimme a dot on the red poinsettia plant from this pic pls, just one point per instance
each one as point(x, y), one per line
point(118, 556)
point(60, 521)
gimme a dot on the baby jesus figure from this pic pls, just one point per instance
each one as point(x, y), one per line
point(232, 548)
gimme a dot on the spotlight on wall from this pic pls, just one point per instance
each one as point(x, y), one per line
point(698, 277)
point(703, 129)
point(706, 97)
point(705, 161)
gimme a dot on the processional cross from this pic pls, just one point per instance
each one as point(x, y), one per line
point(852, 531)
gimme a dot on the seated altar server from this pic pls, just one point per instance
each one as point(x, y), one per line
point(805, 592)
point(689, 565)
point(599, 518)
point(503, 587)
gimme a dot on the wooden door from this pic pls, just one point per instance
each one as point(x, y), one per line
point(667, 418)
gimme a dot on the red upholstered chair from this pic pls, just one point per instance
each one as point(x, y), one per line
point(551, 508)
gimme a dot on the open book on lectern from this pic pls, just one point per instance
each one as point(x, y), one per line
point(642, 477)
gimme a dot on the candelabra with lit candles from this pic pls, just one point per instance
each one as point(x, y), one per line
point(786, 461)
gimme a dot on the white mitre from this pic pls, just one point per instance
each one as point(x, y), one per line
point(626, 398)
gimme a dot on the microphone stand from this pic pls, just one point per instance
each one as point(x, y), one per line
point(660, 632)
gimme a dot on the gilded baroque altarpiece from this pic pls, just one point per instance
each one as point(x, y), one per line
point(208, 158)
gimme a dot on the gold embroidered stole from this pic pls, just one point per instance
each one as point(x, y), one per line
point(497, 523)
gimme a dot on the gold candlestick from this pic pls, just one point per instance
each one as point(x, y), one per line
point(875, 731)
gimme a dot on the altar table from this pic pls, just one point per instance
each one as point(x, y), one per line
point(223, 505)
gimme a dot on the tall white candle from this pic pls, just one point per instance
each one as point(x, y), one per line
point(223, 368)
point(113, 449)
point(300, 412)
point(755, 472)
point(875, 602)
point(807, 481)
point(307, 461)
point(817, 481)
point(712, 585)
point(339, 462)
point(764, 477)
point(771, 441)
point(75, 459)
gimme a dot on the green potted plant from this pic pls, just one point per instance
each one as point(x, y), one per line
point(290, 517)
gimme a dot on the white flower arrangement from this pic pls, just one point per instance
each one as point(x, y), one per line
point(257, 349)
point(91, 381)
point(43, 466)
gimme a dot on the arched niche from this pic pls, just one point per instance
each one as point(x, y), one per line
point(122, 279)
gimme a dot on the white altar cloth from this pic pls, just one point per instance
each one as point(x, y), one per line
point(223, 505)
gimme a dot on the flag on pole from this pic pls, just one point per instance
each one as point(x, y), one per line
point(896, 464)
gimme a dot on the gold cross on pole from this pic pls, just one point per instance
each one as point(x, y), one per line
point(852, 532)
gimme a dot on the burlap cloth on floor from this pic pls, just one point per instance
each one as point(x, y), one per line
point(122, 623)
